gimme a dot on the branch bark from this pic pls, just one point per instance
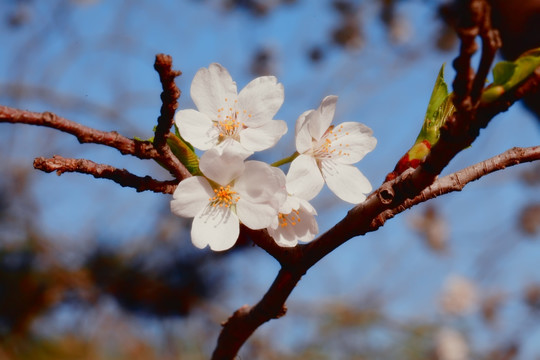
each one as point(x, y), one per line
point(169, 100)
point(121, 176)
point(158, 150)
point(359, 221)
point(85, 134)
point(410, 188)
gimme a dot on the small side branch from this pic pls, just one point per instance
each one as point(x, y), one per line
point(491, 43)
point(120, 176)
point(457, 181)
point(85, 134)
point(169, 99)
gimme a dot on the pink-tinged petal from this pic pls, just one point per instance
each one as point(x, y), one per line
point(212, 89)
point(307, 206)
point(255, 215)
point(261, 183)
point(291, 203)
point(222, 165)
point(351, 141)
point(304, 178)
point(285, 237)
point(264, 136)
point(302, 136)
point(346, 181)
point(215, 226)
point(261, 189)
point(261, 99)
point(197, 128)
point(231, 145)
point(295, 226)
point(321, 119)
point(191, 196)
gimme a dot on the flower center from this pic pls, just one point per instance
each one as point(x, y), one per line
point(291, 218)
point(224, 196)
point(228, 120)
point(330, 145)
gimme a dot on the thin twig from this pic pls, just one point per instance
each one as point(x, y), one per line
point(85, 134)
point(472, 14)
point(120, 176)
point(169, 99)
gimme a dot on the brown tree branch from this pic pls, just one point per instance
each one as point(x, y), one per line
point(410, 188)
point(120, 176)
point(85, 134)
point(467, 31)
point(358, 221)
point(169, 98)
point(491, 43)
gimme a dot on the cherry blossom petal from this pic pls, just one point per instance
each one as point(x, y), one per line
point(304, 178)
point(190, 196)
point(222, 165)
point(319, 121)
point(211, 89)
point(307, 206)
point(302, 136)
point(291, 203)
point(261, 183)
point(264, 136)
point(196, 128)
point(261, 189)
point(255, 215)
point(215, 226)
point(231, 145)
point(346, 181)
point(300, 225)
point(352, 142)
point(261, 98)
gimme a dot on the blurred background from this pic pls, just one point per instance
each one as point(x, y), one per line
point(90, 270)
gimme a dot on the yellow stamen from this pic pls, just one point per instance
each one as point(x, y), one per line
point(225, 196)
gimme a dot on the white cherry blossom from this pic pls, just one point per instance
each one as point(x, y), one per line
point(224, 116)
point(294, 223)
point(327, 154)
point(232, 192)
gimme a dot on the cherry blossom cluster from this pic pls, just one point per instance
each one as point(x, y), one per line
point(231, 189)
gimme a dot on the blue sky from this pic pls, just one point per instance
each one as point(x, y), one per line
point(103, 53)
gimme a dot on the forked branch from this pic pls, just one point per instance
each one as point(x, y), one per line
point(410, 188)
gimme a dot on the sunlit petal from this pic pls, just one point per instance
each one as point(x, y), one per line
point(212, 88)
point(261, 99)
point(196, 128)
point(302, 136)
point(261, 183)
point(346, 181)
point(296, 225)
point(222, 165)
point(215, 226)
point(351, 141)
point(319, 121)
point(190, 196)
point(264, 136)
point(304, 178)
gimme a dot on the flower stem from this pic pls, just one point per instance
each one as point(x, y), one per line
point(286, 160)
